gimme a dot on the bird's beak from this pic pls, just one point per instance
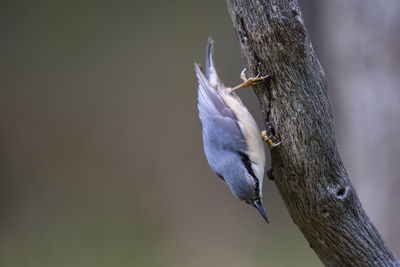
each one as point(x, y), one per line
point(259, 205)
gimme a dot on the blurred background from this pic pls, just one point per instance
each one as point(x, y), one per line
point(101, 160)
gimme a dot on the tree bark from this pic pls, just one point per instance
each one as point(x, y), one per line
point(307, 168)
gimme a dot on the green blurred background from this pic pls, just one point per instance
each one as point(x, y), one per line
point(101, 160)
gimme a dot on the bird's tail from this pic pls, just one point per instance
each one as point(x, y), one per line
point(211, 73)
point(209, 53)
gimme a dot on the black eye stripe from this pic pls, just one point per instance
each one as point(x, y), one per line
point(247, 163)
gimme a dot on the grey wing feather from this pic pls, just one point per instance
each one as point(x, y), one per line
point(208, 97)
point(221, 133)
point(220, 125)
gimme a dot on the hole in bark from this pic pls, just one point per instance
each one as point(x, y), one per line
point(341, 193)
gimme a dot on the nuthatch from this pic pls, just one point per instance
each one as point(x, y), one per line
point(231, 137)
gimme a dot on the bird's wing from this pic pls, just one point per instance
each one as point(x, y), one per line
point(220, 124)
point(209, 99)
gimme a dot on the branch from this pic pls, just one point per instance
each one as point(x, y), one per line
point(308, 170)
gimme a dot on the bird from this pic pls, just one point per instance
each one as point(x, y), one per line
point(231, 138)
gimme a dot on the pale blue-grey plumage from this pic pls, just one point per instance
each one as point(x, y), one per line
point(224, 138)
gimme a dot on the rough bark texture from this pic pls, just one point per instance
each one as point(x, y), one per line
point(308, 170)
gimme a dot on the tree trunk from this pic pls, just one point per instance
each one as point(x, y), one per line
point(307, 168)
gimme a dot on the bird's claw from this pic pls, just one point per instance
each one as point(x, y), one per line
point(268, 139)
point(250, 81)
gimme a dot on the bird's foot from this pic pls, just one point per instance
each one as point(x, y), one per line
point(268, 139)
point(250, 81)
